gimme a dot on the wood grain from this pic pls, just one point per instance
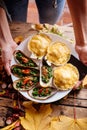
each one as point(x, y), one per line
point(75, 100)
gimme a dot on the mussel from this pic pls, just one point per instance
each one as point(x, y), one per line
point(38, 44)
point(41, 92)
point(25, 83)
point(21, 71)
point(22, 59)
point(45, 74)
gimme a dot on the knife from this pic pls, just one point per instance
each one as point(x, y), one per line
point(80, 66)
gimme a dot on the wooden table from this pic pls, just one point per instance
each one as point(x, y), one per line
point(74, 103)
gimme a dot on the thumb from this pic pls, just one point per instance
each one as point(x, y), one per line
point(7, 68)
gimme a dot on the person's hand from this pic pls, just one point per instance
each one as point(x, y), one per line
point(82, 53)
point(7, 52)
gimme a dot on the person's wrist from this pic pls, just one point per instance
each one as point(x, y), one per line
point(82, 53)
point(80, 47)
point(11, 45)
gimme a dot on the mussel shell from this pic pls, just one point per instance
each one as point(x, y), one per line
point(65, 77)
point(31, 64)
point(25, 87)
point(32, 71)
point(39, 97)
point(38, 44)
point(58, 53)
point(45, 84)
point(49, 82)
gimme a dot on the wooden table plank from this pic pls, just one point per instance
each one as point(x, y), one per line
point(24, 29)
point(69, 111)
point(75, 100)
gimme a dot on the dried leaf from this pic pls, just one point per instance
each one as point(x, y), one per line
point(18, 39)
point(10, 127)
point(66, 123)
point(36, 119)
point(27, 125)
point(39, 118)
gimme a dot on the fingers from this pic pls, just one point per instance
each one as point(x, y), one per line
point(77, 85)
point(82, 53)
point(85, 63)
point(6, 60)
point(7, 52)
point(7, 68)
point(83, 59)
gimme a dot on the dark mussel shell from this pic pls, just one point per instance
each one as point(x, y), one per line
point(21, 71)
point(22, 59)
point(45, 73)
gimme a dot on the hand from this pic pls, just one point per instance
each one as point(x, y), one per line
point(7, 52)
point(82, 53)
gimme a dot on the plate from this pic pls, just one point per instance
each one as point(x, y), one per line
point(23, 47)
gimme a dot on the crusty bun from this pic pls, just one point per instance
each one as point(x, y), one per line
point(58, 53)
point(38, 44)
point(65, 77)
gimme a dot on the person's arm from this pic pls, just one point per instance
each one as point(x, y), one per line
point(78, 10)
point(6, 41)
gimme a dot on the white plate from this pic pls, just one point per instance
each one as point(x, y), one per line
point(23, 47)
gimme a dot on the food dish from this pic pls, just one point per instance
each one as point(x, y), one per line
point(23, 47)
point(58, 53)
point(38, 44)
point(65, 77)
point(42, 93)
point(25, 83)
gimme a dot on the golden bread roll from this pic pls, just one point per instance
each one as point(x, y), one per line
point(38, 44)
point(65, 77)
point(58, 53)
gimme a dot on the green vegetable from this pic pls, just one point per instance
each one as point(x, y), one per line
point(46, 73)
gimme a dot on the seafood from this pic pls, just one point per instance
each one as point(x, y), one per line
point(38, 45)
point(22, 59)
point(25, 83)
point(42, 93)
point(21, 71)
point(65, 77)
point(58, 53)
point(45, 74)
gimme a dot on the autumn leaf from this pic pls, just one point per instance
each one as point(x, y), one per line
point(38, 119)
point(18, 39)
point(66, 123)
point(26, 124)
point(10, 127)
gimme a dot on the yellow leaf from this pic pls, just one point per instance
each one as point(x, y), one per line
point(36, 119)
point(66, 123)
point(26, 124)
point(18, 39)
point(10, 127)
point(42, 117)
point(39, 117)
